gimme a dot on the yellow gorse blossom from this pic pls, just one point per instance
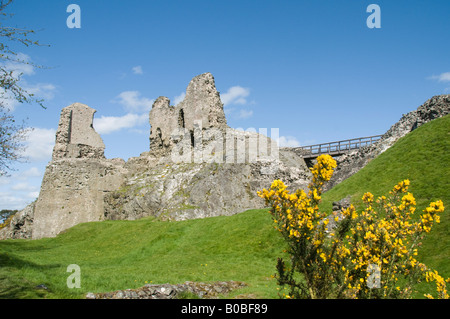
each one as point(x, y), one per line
point(337, 263)
point(367, 197)
point(441, 286)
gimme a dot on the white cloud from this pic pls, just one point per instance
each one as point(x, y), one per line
point(243, 114)
point(32, 172)
point(20, 188)
point(138, 70)
point(24, 187)
point(39, 144)
point(109, 124)
point(17, 199)
point(4, 180)
point(235, 95)
point(8, 101)
point(288, 141)
point(42, 90)
point(23, 67)
point(228, 111)
point(306, 142)
point(33, 195)
point(10, 201)
point(179, 98)
point(443, 77)
point(133, 102)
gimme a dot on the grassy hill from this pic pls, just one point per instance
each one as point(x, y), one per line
point(423, 156)
point(117, 255)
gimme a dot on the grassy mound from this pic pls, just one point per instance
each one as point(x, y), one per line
point(117, 255)
point(422, 157)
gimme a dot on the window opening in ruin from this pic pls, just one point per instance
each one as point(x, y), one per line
point(181, 118)
point(192, 137)
point(159, 136)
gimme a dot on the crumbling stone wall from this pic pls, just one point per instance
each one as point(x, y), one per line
point(201, 105)
point(220, 176)
point(76, 137)
point(78, 177)
point(198, 166)
point(80, 185)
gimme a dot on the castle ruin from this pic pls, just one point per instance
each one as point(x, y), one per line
point(196, 166)
point(81, 185)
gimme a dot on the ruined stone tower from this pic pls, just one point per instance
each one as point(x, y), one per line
point(78, 176)
point(201, 104)
point(76, 137)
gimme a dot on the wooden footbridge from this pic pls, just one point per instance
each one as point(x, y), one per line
point(337, 148)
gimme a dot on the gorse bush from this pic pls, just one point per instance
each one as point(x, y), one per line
point(351, 254)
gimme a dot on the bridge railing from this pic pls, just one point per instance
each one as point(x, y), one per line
point(339, 147)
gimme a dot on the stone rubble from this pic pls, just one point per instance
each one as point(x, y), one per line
point(189, 289)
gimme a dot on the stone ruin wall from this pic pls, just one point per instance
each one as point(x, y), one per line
point(81, 185)
point(78, 176)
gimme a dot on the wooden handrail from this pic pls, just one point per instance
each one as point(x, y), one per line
point(339, 147)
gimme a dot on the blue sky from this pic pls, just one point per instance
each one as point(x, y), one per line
point(311, 68)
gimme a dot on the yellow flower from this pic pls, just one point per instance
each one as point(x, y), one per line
point(367, 197)
point(316, 197)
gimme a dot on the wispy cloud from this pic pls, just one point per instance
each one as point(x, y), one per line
point(133, 102)
point(24, 186)
point(137, 69)
point(31, 172)
point(9, 200)
point(39, 144)
point(22, 66)
point(443, 77)
point(109, 124)
point(288, 141)
point(21, 188)
point(235, 95)
point(137, 108)
point(243, 114)
point(179, 98)
point(42, 90)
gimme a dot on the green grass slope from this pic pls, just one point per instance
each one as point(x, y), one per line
point(423, 157)
point(117, 255)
